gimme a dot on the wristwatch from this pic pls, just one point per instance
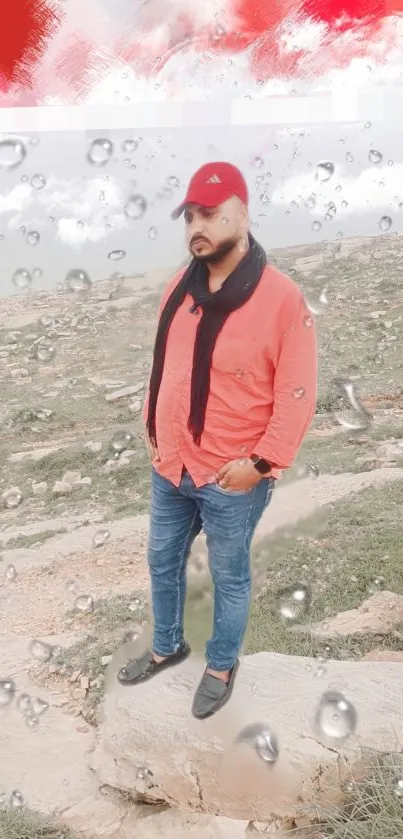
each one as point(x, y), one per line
point(263, 466)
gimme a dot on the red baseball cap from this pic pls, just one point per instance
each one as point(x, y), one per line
point(213, 184)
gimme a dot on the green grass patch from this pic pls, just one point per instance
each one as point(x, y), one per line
point(339, 554)
point(26, 541)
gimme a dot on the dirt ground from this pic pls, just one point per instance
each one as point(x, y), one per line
point(73, 371)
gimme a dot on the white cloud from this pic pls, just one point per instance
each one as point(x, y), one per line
point(82, 209)
point(374, 188)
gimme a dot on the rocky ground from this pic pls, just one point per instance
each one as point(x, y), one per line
point(74, 491)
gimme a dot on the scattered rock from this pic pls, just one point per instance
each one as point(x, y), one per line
point(131, 390)
point(62, 488)
point(136, 406)
point(381, 613)
point(368, 464)
point(94, 446)
point(383, 655)
point(40, 488)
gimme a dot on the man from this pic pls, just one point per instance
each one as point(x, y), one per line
point(232, 393)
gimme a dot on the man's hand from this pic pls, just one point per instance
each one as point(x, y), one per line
point(152, 450)
point(238, 475)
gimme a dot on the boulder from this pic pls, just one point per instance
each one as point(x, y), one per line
point(379, 614)
point(196, 765)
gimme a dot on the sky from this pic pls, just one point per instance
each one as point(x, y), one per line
point(69, 204)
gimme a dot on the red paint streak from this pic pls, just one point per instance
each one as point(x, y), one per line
point(73, 63)
point(28, 25)
point(25, 29)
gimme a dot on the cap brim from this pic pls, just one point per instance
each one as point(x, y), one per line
point(178, 212)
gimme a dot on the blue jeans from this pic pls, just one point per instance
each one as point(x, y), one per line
point(229, 520)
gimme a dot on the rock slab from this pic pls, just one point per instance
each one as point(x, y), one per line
point(195, 765)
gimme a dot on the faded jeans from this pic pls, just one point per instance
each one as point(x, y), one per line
point(229, 520)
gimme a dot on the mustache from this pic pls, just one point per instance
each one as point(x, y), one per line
point(198, 240)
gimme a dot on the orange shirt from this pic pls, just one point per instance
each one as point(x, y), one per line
point(263, 383)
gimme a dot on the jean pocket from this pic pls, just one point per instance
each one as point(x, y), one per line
point(271, 483)
point(231, 492)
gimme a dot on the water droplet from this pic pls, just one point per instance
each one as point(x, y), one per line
point(173, 181)
point(121, 440)
point(11, 573)
point(129, 146)
point(16, 800)
point(7, 692)
point(39, 706)
point(44, 351)
point(298, 392)
point(367, 125)
point(312, 471)
point(294, 601)
point(115, 256)
point(258, 162)
point(308, 321)
point(40, 650)
point(24, 703)
point(31, 721)
point(374, 156)
point(320, 671)
point(316, 225)
point(357, 419)
point(349, 157)
point(398, 787)
point(262, 740)
point(336, 717)
point(38, 181)
point(376, 584)
point(100, 152)
point(324, 171)
point(152, 233)
point(385, 223)
point(135, 207)
point(311, 201)
point(143, 776)
point(22, 230)
point(100, 537)
point(12, 498)
point(84, 603)
point(12, 153)
point(239, 374)
point(77, 280)
point(71, 586)
point(130, 637)
point(22, 278)
point(37, 273)
point(33, 237)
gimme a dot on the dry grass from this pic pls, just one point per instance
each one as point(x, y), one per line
point(23, 824)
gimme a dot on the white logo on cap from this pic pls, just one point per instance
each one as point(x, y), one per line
point(214, 180)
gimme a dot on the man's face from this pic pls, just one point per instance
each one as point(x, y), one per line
point(213, 232)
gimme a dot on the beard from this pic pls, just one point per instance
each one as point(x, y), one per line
point(219, 253)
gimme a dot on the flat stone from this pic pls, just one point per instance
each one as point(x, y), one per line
point(130, 390)
point(197, 765)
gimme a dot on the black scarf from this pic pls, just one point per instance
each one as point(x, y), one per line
point(234, 292)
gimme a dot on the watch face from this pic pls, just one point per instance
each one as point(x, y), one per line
point(262, 466)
